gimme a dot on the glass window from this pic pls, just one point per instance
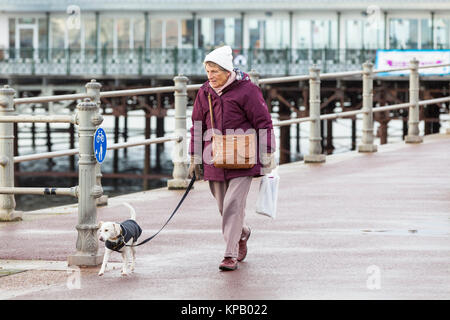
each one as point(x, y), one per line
point(106, 32)
point(139, 33)
point(324, 34)
point(171, 33)
point(303, 34)
point(219, 32)
point(57, 28)
point(403, 33)
point(90, 32)
point(277, 34)
point(74, 38)
point(229, 24)
point(155, 33)
point(363, 34)
point(187, 33)
point(12, 33)
point(373, 35)
point(42, 36)
point(238, 41)
point(205, 36)
point(354, 34)
point(442, 33)
point(426, 34)
point(256, 33)
point(123, 33)
point(26, 20)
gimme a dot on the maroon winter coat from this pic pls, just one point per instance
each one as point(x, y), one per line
point(241, 106)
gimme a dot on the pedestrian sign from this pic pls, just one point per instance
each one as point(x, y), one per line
point(100, 145)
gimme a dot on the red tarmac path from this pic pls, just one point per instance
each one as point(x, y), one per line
point(360, 226)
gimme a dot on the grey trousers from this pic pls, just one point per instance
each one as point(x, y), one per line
point(231, 197)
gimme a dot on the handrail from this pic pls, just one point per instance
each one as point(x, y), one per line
point(39, 118)
point(44, 99)
point(168, 89)
point(72, 152)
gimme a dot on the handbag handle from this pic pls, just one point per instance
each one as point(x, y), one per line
point(211, 113)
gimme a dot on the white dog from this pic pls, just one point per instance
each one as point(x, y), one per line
point(118, 237)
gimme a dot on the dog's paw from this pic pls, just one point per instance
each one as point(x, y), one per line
point(125, 274)
point(100, 273)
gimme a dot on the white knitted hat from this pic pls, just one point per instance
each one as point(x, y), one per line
point(222, 56)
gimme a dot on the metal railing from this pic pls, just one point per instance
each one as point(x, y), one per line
point(314, 77)
point(172, 61)
point(89, 191)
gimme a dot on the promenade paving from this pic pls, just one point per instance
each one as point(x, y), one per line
point(359, 226)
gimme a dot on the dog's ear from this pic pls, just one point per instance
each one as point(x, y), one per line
point(116, 228)
point(100, 224)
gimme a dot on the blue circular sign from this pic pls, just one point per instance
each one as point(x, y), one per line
point(100, 145)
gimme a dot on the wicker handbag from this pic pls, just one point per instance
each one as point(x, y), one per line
point(235, 151)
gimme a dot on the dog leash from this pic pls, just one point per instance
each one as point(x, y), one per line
point(191, 183)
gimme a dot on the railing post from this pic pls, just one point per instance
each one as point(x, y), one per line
point(93, 88)
point(367, 130)
point(315, 149)
point(7, 201)
point(413, 118)
point(448, 123)
point(254, 77)
point(179, 157)
point(87, 243)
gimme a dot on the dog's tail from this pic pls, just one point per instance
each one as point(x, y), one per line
point(133, 212)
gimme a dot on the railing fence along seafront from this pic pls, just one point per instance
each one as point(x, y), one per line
point(88, 118)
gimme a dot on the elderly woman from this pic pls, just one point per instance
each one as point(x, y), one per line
point(237, 103)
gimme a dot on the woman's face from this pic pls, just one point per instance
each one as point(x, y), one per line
point(216, 76)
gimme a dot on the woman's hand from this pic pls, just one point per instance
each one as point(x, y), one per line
point(268, 163)
point(197, 167)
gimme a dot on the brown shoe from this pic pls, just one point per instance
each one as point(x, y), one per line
point(228, 264)
point(243, 246)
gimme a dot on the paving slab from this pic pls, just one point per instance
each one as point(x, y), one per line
point(359, 226)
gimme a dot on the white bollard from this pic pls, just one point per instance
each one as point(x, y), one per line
point(413, 118)
point(87, 242)
point(179, 156)
point(7, 201)
point(367, 130)
point(315, 149)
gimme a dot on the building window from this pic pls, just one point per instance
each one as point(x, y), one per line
point(58, 30)
point(303, 34)
point(442, 33)
point(205, 36)
point(218, 32)
point(139, 33)
point(123, 34)
point(171, 33)
point(187, 33)
point(155, 33)
point(106, 33)
point(403, 34)
point(426, 34)
point(256, 33)
point(317, 34)
point(12, 37)
point(277, 34)
point(361, 33)
point(43, 38)
point(90, 32)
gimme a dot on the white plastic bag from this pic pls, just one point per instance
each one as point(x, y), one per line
point(266, 203)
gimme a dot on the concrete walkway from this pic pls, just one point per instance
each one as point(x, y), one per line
point(360, 226)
